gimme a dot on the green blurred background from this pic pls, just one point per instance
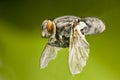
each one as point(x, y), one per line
point(21, 44)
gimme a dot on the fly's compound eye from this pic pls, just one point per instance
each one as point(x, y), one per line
point(49, 26)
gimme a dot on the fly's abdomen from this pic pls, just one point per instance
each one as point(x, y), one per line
point(94, 25)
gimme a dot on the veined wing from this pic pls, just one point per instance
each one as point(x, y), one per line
point(78, 50)
point(49, 53)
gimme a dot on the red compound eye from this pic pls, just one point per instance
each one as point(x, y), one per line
point(49, 26)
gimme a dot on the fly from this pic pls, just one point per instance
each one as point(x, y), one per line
point(69, 32)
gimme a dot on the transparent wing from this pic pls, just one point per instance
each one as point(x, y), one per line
point(78, 50)
point(49, 53)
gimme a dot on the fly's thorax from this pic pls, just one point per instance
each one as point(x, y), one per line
point(63, 29)
point(62, 36)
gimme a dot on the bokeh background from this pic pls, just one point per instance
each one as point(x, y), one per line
point(21, 44)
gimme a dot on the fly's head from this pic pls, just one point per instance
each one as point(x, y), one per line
point(48, 28)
